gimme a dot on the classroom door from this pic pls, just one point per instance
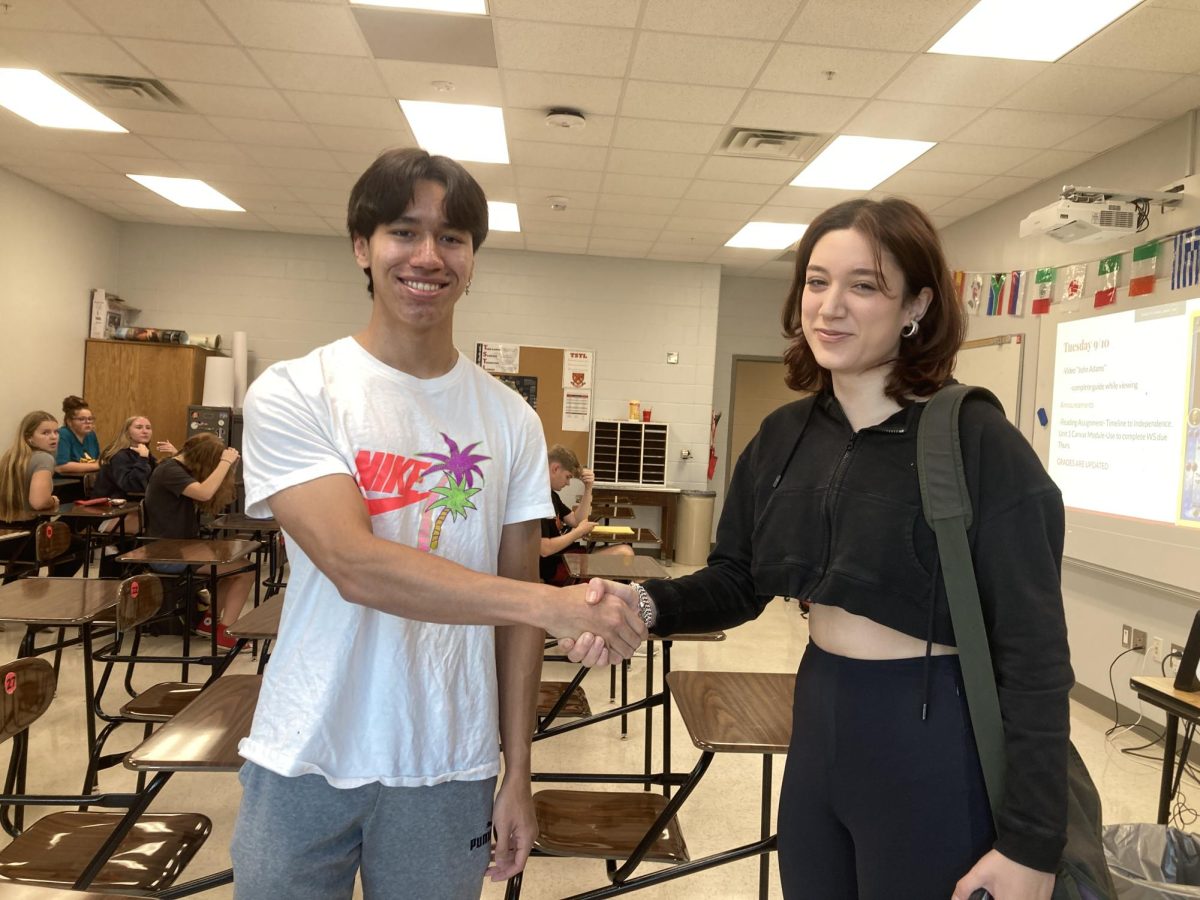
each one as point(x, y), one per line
point(757, 390)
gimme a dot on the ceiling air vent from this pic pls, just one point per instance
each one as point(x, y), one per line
point(766, 143)
point(124, 92)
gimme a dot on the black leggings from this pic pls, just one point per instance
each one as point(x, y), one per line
point(877, 804)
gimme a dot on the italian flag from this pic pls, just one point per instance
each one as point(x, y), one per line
point(1142, 271)
point(1043, 294)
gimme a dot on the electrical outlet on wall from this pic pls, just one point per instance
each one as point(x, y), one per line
point(1156, 649)
point(1174, 659)
point(1126, 636)
point(1139, 640)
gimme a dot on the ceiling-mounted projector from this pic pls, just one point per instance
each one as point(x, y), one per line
point(1070, 220)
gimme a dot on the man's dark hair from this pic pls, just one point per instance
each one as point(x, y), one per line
point(384, 191)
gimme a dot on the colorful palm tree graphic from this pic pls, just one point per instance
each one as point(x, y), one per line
point(457, 487)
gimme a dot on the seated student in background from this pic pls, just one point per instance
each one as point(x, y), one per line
point(27, 488)
point(570, 525)
point(78, 447)
point(126, 463)
point(198, 478)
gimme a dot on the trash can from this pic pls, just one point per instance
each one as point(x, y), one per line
point(693, 527)
point(1153, 862)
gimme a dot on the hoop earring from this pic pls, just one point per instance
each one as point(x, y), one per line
point(910, 329)
point(468, 290)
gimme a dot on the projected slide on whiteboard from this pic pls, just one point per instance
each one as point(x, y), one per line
point(1125, 428)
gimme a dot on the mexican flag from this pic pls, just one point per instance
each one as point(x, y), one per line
point(1109, 272)
point(1043, 294)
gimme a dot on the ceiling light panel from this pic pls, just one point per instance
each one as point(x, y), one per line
point(856, 163)
point(461, 131)
point(189, 192)
point(33, 96)
point(767, 235)
point(470, 7)
point(1029, 29)
point(503, 216)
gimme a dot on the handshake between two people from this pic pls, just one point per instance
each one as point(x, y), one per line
point(598, 623)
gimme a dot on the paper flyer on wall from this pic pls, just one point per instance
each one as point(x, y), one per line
point(577, 369)
point(498, 357)
point(577, 409)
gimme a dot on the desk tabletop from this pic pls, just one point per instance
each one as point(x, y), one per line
point(56, 601)
point(261, 623)
point(194, 551)
point(11, 891)
point(243, 522)
point(1156, 688)
point(204, 735)
point(616, 568)
point(639, 536)
point(99, 511)
point(12, 534)
point(735, 712)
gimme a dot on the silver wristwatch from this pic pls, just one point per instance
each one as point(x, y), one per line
point(645, 606)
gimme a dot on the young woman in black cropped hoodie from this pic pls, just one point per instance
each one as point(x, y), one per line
point(882, 795)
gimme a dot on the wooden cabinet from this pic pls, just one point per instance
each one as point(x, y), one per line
point(629, 452)
point(129, 378)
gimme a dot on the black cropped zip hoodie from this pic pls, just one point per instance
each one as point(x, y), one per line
point(830, 515)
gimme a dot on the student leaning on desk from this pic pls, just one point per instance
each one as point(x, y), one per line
point(410, 484)
point(883, 795)
point(78, 450)
point(27, 489)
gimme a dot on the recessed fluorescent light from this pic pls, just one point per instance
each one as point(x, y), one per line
point(503, 216)
point(767, 235)
point(859, 163)
point(473, 7)
point(459, 130)
point(33, 96)
point(189, 192)
point(1029, 29)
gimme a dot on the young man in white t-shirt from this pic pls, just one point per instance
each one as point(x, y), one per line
point(406, 480)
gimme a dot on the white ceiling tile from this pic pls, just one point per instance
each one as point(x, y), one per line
point(259, 131)
point(163, 19)
point(619, 13)
point(627, 249)
point(671, 137)
point(676, 57)
point(45, 15)
point(1000, 187)
point(1015, 128)
point(494, 175)
point(230, 100)
point(703, 224)
point(965, 206)
point(199, 151)
point(569, 224)
point(292, 157)
point(630, 203)
point(135, 165)
point(730, 192)
point(857, 73)
point(343, 109)
point(64, 177)
point(764, 19)
point(795, 112)
point(505, 240)
point(530, 125)
point(100, 142)
point(164, 124)
point(326, 178)
point(556, 156)
point(237, 173)
point(539, 198)
point(546, 47)
point(557, 180)
point(1108, 133)
point(275, 206)
point(1050, 162)
point(680, 102)
point(258, 192)
point(679, 252)
point(960, 80)
point(289, 26)
point(1174, 100)
point(539, 90)
point(812, 198)
point(633, 220)
point(912, 121)
point(625, 233)
point(983, 159)
point(297, 224)
point(56, 52)
point(549, 243)
point(322, 74)
point(753, 171)
point(1094, 90)
point(800, 214)
point(645, 185)
point(195, 62)
point(877, 24)
point(712, 209)
point(927, 202)
point(650, 162)
point(946, 184)
point(706, 240)
point(415, 81)
point(53, 159)
point(742, 254)
point(1157, 38)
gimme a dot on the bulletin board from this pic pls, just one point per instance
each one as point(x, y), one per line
point(546, 365)
point(995, 363)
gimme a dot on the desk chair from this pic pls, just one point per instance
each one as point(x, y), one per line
point(58, 849)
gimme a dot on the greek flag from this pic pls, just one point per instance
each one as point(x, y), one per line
point(1185, 268)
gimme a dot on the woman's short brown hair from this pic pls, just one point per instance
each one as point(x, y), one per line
point(925, 360)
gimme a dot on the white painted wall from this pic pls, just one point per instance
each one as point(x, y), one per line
point(53, 251)
point(1097, 604)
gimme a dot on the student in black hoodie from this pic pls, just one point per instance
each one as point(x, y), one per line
point(883, 794)
point(126, 464)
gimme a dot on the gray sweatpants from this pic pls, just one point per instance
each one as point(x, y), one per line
point(303, 839)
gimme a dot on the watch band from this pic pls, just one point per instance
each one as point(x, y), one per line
point(646, 608)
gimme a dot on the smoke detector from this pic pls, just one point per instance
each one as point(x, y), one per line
point(570, 119)
point(557, 202)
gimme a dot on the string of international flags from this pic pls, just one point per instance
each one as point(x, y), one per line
point(1003, 293)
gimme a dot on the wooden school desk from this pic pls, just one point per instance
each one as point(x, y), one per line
point(1160, 692)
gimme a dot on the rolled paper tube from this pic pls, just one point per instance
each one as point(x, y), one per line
point(239, 368)
point(218, 381)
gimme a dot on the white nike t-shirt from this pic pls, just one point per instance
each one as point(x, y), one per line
point(351, 693)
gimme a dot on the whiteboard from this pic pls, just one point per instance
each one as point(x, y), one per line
point(995, 363)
